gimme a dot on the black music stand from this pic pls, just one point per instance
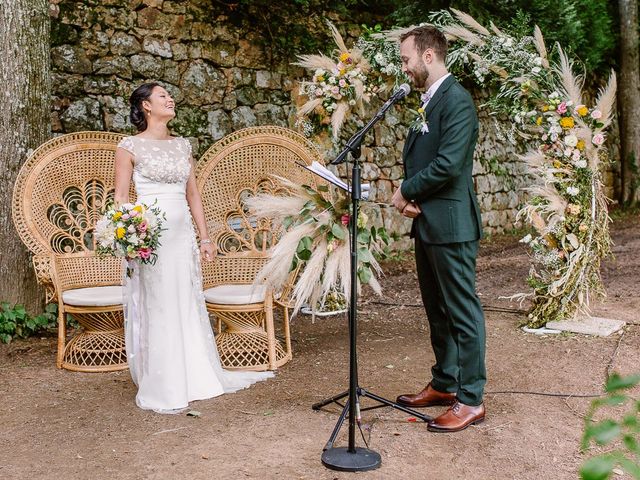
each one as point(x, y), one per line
point(352, 458)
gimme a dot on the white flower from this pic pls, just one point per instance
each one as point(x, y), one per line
point(571, 141)
point(526, 239)
point(380, 59)
point(554, 95)
point(151, 219)
point(596, 114)
point(598, 139)
point(536, 70)
point(567, 152)
point(133, 239)
point(537, 60)
point(573, 191)
point(580, 163)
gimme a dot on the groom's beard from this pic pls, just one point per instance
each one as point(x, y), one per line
point(420, 76)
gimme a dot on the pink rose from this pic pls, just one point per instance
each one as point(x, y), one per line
point(345, 219)
point(598, 139)
point(143, 226)
point(596, 114)
point(144, 253)
point(126, 216)
point(562, 108)
point(342, 82)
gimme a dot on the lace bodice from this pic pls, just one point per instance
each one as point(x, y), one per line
point(165, 161)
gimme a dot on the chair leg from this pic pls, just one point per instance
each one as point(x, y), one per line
point(287, 331)
point(62, 334)
point(271, 334)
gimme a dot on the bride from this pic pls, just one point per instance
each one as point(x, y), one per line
point(170, 346)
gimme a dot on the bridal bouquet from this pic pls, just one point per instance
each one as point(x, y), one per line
point(316, 239)
point(131, 231)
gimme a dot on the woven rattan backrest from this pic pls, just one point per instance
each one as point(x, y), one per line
point(241, 165)
point(61, 190)
point(85, 269)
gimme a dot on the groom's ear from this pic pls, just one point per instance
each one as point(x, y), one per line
point(428, 56)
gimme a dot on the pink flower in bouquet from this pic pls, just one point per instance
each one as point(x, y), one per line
point(143, 226)
point(131, 229)
point(342, 82)
point(562, 108)
point(345, 219)
point(145, 253)
point(126, 216)
point(598, 139)
point(596, 114)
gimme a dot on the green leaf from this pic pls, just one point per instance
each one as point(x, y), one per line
point(631, 443)
point(323, 188)
point(605, 431)
point(305, 243)
point(365, 274)
point(616, 382)
point(304, 255)
point(364, 237)
point(364, 255)
point(597, 468)
point(338, 231)
point(631, 467)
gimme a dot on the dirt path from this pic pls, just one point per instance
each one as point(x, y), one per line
point(59, 424)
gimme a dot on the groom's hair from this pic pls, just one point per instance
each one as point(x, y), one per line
point(428, 36)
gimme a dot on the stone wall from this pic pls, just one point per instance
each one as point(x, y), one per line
point(221, 80)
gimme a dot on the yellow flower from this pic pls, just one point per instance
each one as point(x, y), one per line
point(320, 79)
point(557, 164)
point(539, 121)
point(545, 108)
point(117, 215)
point(138, 208)
point(566, 122)
point(582, 110)
point(343, 71)
point(344, 56)
point(420, 110)
point(580, 145)
point(120, 231)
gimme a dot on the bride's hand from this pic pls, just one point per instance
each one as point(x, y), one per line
point(207, 252)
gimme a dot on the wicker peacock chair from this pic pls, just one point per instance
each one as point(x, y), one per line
point(57, 199)
point(236, 167)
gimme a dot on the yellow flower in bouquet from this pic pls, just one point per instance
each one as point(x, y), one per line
point(567, 123)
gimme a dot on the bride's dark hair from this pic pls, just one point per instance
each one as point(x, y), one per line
point(139, 95)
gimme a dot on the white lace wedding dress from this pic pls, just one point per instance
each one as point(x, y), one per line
point(170, 346)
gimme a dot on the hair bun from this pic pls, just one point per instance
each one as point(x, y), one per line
point(137, 113)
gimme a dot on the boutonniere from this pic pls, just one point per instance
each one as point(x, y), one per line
point(420, 124)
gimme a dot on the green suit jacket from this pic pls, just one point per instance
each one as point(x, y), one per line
point(438, 169)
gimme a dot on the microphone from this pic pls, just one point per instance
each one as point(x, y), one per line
point(354, 142)
point(402, 91)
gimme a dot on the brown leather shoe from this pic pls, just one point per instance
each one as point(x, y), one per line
point(458, 417)
point(428, 397)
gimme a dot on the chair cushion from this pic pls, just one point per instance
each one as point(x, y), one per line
point(94, 296)
point(235, 294)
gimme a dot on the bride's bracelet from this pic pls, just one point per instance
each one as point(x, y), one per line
point(205, 241)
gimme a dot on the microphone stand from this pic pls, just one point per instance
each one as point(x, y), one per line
point(352, 458)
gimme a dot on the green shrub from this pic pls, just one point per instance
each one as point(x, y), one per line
point(622, 436)
point(15, 322)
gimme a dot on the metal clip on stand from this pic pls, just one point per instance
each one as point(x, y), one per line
point(352, 458)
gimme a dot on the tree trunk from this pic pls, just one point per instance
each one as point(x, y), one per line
point(25, 121)
point(629, 101)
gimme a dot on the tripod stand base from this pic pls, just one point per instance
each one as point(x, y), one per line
point(341, 459)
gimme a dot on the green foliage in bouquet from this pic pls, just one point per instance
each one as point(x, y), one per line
point(623, 434)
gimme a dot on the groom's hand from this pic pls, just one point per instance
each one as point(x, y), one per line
point(411, 210)
point(399, 201)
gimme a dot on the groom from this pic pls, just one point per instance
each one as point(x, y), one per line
point(438, 194)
